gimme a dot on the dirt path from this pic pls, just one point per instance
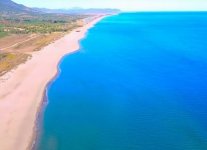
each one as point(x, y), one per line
point(16, 44)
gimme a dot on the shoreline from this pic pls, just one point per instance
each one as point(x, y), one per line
point(21, 115)
point(40, 113)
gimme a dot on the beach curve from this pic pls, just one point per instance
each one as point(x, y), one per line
point(22, 90)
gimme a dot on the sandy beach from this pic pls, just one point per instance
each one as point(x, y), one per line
point(22, 90)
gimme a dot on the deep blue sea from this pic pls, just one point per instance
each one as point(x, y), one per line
point(138, 82)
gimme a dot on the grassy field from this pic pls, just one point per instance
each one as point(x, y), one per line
point(9, 61)
point(3, 34)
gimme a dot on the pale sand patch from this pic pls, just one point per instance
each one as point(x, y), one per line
point(22, 90)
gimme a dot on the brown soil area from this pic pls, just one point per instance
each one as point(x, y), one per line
point(37, 43)
point(12, 39)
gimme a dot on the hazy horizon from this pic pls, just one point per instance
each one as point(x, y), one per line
point(134, 5)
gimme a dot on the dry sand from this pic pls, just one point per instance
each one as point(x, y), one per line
point(22, 90)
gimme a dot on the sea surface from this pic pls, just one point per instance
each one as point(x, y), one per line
point(138, 82)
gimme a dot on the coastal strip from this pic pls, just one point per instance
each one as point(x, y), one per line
point(22, 90)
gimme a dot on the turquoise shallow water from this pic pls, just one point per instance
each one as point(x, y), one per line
point(139, 82)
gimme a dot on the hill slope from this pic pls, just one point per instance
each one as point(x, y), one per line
point(10, 7)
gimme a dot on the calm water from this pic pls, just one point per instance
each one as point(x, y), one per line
point(139, 82)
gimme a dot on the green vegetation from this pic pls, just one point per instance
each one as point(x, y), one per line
point(2, 33)
point(41, 23)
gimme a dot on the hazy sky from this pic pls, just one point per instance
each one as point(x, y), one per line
point(133, 5)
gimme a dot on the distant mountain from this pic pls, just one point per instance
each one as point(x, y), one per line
point(10, 7)
point(79, 11)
